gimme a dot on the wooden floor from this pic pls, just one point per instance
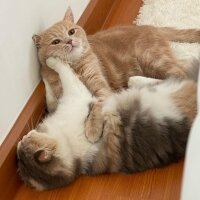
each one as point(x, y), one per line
point(157, 184)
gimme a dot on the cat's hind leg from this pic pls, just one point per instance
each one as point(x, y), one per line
point(157, 60)
point(163, 66)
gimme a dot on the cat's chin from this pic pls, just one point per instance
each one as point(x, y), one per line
point(76, 53)
point(73, 48)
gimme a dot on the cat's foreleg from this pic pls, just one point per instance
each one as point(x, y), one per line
point(65, 73)
point(57, 65)
point(141, 81)
point(51, 99)
point(94, 122)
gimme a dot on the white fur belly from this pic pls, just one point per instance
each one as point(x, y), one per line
point(67, 126)
point(70, 115)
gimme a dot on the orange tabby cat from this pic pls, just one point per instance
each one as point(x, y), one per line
point(104, 61)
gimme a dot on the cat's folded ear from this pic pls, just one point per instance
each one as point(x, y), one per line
point(36, 39)
point(69, 15)
point(44, 155)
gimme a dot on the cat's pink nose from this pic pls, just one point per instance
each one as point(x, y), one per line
point(69, 41)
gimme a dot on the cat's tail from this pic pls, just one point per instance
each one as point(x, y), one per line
point(180, 35)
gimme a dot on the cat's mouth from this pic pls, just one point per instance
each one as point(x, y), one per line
point(71, 47)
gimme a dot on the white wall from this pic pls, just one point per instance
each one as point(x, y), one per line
point(19, 69)
point(191, 176)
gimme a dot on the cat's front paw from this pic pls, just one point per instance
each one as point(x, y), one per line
point(133, 80)
point(94, 130)
point(53, 62)
point(94, 123)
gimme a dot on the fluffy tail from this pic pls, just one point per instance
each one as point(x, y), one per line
point(181, 35)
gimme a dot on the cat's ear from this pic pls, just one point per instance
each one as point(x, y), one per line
point(69, 15)
point(43, 155)
point(36, 39)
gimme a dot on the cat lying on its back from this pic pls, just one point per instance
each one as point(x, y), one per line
point(146, 126)
point(106, 60)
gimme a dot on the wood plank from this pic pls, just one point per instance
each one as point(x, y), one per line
point(95, 15)
point(156, 184)
point(123, 12)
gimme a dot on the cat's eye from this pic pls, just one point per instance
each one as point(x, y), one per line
point(71, 31)
point(57, 41)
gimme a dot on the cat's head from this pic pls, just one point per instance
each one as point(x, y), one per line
point(40, 163)
point(65, 40)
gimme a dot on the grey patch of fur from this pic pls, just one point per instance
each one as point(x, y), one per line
point(148, 143)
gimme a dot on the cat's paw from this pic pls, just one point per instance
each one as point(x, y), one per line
point(94, 123)
point(94, 130)
point(141, 81)
point(133, 80)
point(53, 62)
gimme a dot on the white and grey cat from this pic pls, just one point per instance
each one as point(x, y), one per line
point(146, 126)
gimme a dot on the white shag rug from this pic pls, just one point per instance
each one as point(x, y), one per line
point(181, 14)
